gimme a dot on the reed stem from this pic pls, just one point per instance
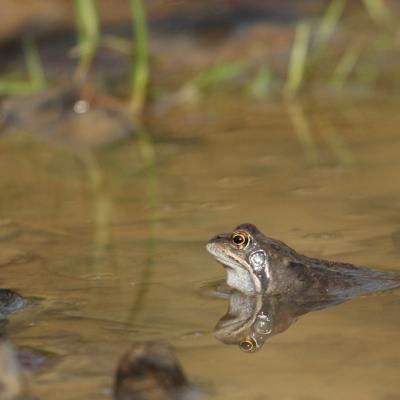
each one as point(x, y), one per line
point(140, 62)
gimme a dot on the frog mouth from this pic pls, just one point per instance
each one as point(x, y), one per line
point(238, 276)
point(223, 257)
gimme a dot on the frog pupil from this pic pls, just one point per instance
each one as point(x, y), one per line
point(238, 239)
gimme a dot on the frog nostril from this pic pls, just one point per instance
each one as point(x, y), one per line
point(217, 238)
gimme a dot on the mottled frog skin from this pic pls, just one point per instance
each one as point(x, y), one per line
point(257, 264)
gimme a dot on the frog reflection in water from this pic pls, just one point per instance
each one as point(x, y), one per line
point(251, 320)
point(278, 285)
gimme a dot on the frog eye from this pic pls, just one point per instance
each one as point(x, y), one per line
point(240, 240)
point(248, 345)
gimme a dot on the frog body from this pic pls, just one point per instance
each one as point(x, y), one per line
point(257, 264)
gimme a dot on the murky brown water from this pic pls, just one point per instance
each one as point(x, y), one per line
point(116, 253)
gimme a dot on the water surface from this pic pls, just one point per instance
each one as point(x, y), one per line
point(114, 251)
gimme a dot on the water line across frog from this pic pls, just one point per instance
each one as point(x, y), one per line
point(257, 264)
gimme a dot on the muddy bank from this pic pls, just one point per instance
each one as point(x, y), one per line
point(44, 17)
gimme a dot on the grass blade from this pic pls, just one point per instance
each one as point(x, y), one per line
point(328, 25)
point(297, 61)
point(140, 62)
point(88, 35)
point(378, 11)
point(346, 65)
point(37, 80)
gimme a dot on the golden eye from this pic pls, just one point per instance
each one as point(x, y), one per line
point(240, 240)
point(248, 345)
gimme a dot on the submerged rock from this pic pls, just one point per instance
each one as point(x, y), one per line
point(11, 302)
point(35, 361)
point(151, 371)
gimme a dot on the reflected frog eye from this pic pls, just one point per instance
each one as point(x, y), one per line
point(240, 240)
point(248, 345)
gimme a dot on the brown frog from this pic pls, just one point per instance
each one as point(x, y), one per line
point(257, 264)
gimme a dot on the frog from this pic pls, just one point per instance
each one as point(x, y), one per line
point(257, 264)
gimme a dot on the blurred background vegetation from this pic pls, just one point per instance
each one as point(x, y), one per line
point(189, 50)
point(89, 73)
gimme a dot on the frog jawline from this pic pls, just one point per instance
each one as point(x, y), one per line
point(237, 276)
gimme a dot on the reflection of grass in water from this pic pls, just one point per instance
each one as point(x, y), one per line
point(305, 136)
point(35, 71)
point(146, 148)
point(303, 131)
point(140, 61)
point(102, 206)
point(87, 23)
point(338, 147)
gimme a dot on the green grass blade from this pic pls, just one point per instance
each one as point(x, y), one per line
point(37, 80)
point(327, 25)
point(140, 62)
point(218, 73)
point(87, 22)
point(338, 146)
point(34, 65)
point(297, 63)
point(346, 65)
point(260, 87)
